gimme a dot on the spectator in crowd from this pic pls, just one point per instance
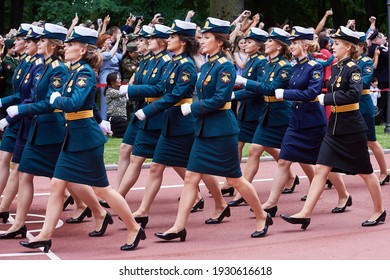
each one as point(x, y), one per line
point(116, 105)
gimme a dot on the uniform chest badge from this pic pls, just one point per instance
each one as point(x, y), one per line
point(226, 77)
point(284, 75)
point(81, 81)
point(154, 72)
point(70, 86)
point(272, 76)
point(338, 82)
point(27, 78)
point(144, 73)
point(207, 80)
point(18, 76)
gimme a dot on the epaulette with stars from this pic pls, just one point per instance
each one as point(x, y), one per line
point(184, 60)
point(38, 61)
point(364, 59)
point(312, 62)
point(282, 63)
point(55, 64)
point(166, 57)
point(351, 63)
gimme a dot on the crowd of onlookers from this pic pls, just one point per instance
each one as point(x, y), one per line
point(120, 57)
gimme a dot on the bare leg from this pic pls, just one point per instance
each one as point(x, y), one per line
point(120, 206)
point(249, 194)
point(339, 185)
point(181, 171)
point(11, 189)
point(280, 180)
point(372, 183)
point(53, 209)
point(80, 205)
point(212, 184)
point(25, 198)
point(131, 175)
point(86, 195)
point(187, 199)
point(315, 191)
point(153, 185)
point(377, 150)
point(123, 162)
point(5, 159)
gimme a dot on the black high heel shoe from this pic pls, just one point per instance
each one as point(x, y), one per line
point(4, 216)
point(46, 244)
point(295, 183)
point(381, 218)
point(170, 236)
point(225, 213)
point(342, 209)
point(304, 222)
point(262, 233)
point(104, 204)
point(198, 205)
point(142, 220)
point(229, 191)
point(68, 201)
point(107, 220)
point(303, 198)
point(140, 236)
point(10, 235)
point(86, 213)
point(237, 202)
point(329, 184)
point(385, 180)
point(272, 211)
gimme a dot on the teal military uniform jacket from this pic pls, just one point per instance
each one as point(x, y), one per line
point(177, 82)
point(277, 74)
point(214, 88)
point(78, 95)
point(251, 103)
point(366, 105)
point(155, 69)
point(46, 127)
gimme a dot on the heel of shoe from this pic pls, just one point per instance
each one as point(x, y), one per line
point(305, 224)
point(46, 248)
point(4, 216)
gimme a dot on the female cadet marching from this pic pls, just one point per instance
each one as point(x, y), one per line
point(366, 107)
point(276, 113)
point(344, 147)
point(214, 150)
point(251, 103)
point(177, 134)
point(9, 181)
point(128, 139)
point(81, 158)
point(24, 95)
point(302, 140)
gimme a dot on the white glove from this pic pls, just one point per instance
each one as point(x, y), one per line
point(279, 93)
point(123, 89)
point(1, 104)
point(13, 111)
point(233, 96)
point(321, 98)
point(240, 80)
point(140, 115)
point(185, 109)
point(105, 126)
point(3, 124)
point(54, 96)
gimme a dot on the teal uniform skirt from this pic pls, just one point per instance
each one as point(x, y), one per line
point(173, 150)
point(247, 130)
point(9, 138)
point(370, 122)
point(131, 133)
point(269, 136)
point(145, 143)
point(215, 156)
point(82, 167)
point(40, 160)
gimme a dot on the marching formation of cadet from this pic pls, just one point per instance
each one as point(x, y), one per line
point(51, 111)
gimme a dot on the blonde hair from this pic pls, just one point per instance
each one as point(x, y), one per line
point(59, 50)
point(353, 51)
point(92, 56)
point(285, 52)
